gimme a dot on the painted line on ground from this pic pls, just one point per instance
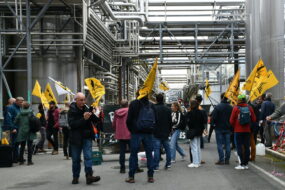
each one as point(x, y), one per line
point(268, 174)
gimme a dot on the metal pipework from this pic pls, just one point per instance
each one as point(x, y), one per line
point(105, 6)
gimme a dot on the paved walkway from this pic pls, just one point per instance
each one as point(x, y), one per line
point(54, 173)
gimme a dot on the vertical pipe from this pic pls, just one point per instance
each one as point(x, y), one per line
point(1, 82)
point(232, 42)
point(29, 55)
point(196, 42)
point(16, 10)
point(160, 43)
point(21, 16)
point(220, 79)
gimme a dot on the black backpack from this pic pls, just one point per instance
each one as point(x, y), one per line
point(146, 119)
point(35, 123)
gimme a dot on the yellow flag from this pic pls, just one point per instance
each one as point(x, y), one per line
point(49, 94)
point(67, 98)
point(263, 85)
point(148, 83)
point(258, 72)
point(4, 141)
point(95, 87)
point(208, 89)
point(233, 90)
point(164, 86)
point(37, 89)
point(96, 103)
point(44, 101)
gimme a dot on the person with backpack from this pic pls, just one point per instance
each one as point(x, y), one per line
point(63, 123)
point(241, 118)
point(162, 132)
point(178, 124)
point(196, 123)
point(25, 134)
point(42, 118)
point(221, 120)
point(141, 123)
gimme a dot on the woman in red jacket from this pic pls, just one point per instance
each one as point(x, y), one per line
point(241, 117)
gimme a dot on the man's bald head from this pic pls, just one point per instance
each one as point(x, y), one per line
point(80, 99)
point(11, 101)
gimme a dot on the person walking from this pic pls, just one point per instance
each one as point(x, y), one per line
point(53, 126)
point(196, 121)
point(63, 123)
point(122, 133)
point(80, 120)
point(42, 118)
point(162, 132)
point(10, 114)
point(25, 136)
point(141, 123)
point(221, 119)
point(177, 125)
point(241, 118)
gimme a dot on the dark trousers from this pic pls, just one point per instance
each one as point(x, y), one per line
point(15, 146)
point(261, 133)
point(22, 150)
point(223, 138)
point(243, 141)
point(41, 143)
point(136, 140)
point(86, 147)
point(66, 146)
point(53, 141)
point(123, 149)
point(210, 133)
point(201, 142)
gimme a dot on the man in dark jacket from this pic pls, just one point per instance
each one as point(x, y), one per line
point(10, 114)
point(267, 108)
point(161, 132)
point(80, 120)
point(137, 137)
point(221, 120)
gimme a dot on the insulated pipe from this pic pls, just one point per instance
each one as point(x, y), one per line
point(107, 8)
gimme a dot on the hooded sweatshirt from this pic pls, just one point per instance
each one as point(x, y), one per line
point(119, 124)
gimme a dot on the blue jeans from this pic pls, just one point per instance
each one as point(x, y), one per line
point(123, 148)
point(136, 140)
point(174, 145)
point(223, 138)
point(195, 145)
point(156, 146)
point(243, 141)
point(87, 153)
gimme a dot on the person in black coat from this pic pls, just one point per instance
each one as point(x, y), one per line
point(196, 121)
point(223, 129)
point(139, 136)
point(162, 131)
point(80, 119)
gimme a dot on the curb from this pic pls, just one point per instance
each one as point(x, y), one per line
point(275, 154)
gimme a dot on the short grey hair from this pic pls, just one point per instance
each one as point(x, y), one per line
point(20, 98)
point(268, 95)
point(79, 94)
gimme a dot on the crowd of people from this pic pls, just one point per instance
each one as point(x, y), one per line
point(142, 122)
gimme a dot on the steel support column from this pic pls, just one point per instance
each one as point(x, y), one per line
point(29, 54)
point(160, 43)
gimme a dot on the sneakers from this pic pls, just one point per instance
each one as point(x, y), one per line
point(30, 163)
point(139, 170)
point(167, 167)
point(55, 152)
point(239, 167)
point(193, 166)
point(75, 181)
point(92, 179)
point(246, 167)
point(156, 170)
point(173, 161)
point(130, 180)
point(219, 163)
point(150, 180)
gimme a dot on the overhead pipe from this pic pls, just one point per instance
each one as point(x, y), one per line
point(105, 6)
